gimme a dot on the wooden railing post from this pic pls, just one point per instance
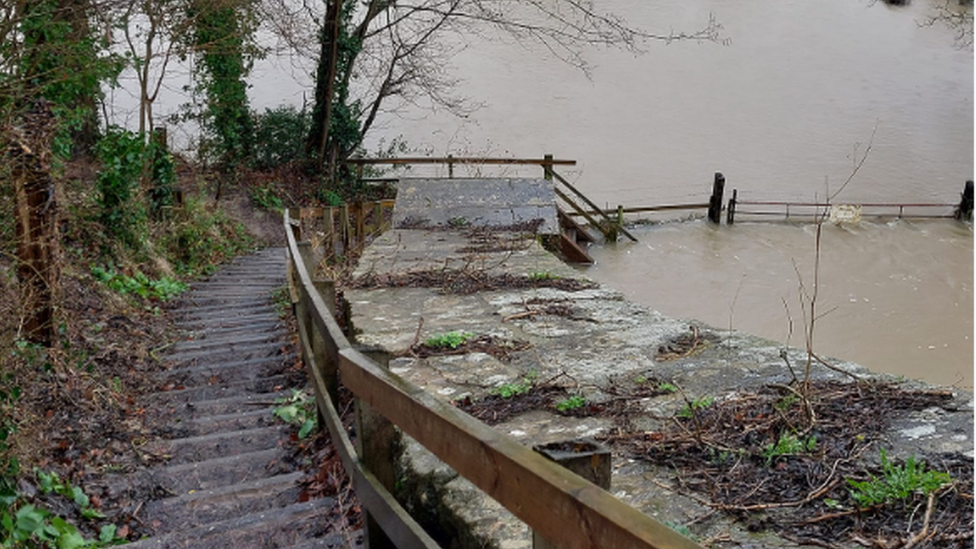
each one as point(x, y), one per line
point(584, 457)
point(360, 225)
point(450, 166)
point(715, 203)
point(328, 222)
point(328, 366)
point(377, 217)
point(547, 168)
point(376, 446)
point(344, 227)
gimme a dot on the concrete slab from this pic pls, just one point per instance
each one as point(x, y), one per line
point(476, 203)
point(599, 337)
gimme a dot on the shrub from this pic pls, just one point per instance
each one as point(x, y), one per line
point(279, 136)
point(897, 482)
point(121, 153)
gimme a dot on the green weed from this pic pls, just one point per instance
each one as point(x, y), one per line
point(897, 482)
point(450, 340)
point(298, 409)
point(789, 444)
point(695, 405)
point(572, 403)
point(265, 198)
point(519, 387)
point(139, 284)
point(281, 298)
point(667, 387)
point(541, 276)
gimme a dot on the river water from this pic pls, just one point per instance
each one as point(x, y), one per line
point(799, 94)
point(786, 107)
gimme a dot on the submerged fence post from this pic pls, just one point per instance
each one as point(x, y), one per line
point(730, 217)
point(964, 211)
point(715, 203)
point(584, 457)
point(547, 168)
point(450, 166)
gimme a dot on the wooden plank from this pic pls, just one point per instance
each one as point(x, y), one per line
point(582, 235)
point(582, 212)
point(573, 251)
point(388, 513)
point(460, 160)
point(561, 506)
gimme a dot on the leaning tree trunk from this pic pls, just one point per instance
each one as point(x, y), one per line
point(29, 157)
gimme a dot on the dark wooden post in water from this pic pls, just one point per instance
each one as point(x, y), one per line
point(584, 457)
point(547, 168)
point(730, 216)
point(450, 166)
point(715, 203)
point(964, 211)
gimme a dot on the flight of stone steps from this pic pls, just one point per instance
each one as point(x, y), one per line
point(225, 477)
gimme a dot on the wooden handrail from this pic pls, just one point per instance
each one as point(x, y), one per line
point(561, 506)
point(590, 203)
point(460, 160)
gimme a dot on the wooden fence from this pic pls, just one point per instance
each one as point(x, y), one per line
point(342, 229)
point(558, 505)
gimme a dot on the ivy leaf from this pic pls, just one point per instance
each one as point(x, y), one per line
point(107, 533)
point(307, 428)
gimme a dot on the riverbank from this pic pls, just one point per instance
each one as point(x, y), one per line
point(547, 337)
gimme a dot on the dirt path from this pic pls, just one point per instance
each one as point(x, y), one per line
point(224, 476)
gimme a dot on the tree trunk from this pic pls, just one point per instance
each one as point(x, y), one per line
point(325, 84)
point(29, 154)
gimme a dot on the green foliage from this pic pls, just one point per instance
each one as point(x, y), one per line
point(121, 154)
point(24, 524)
point(202, 239)
point(789, 444)
point(265, 198)
point(516, 388)
point(572, 403)
point(897, 483)
point(163, 176)
point(667, 387)
point(541, 276)
point(223, 39)
point(786, 402)
point(450, 340)
point(282, 300)
point(298, 409)
point(698, 404)
point(60, 59)
point(139, 284)
point(329, 197)
point(457, 222)
point(279, 136)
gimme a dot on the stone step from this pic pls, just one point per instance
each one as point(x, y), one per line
point(217, 444)
point(259, 333)
point(281, 527)
point(260, 347)
point(216, 504)
point(222, 471)
point(212, 373)
point(234, 389)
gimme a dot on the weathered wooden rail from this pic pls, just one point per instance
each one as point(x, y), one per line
point(342, 229)
point(558, 505)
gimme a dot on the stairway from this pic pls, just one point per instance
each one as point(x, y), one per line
point(226, 479)
point(572, 237)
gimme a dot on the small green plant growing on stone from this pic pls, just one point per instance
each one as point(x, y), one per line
point(667, 387)
point(298, 409)
point(896, 483)
point(789, 444)
point(572, 403)
point(695, 405)
point(450, 340)
point(457, 222)
point(519, 387)
point(681, 529)
point(542, 276)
